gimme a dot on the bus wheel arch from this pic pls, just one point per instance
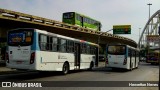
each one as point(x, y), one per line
point(65, 68)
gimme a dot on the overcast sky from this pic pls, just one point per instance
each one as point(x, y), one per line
point(109, 12)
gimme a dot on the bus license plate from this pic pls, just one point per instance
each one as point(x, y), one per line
point(115, 62)
point(19, 62)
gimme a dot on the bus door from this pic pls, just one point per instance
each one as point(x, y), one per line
point(77, 56)
point(135, 56)
point(130, 57)
point(81, 20)
point(97, 57)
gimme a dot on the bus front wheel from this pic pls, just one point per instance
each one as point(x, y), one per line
point(65, 68)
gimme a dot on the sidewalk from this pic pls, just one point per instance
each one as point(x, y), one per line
point(3, 67)
point(101, 64)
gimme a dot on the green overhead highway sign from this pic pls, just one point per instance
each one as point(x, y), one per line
point(122, 29)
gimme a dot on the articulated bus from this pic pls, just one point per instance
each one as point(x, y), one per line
point(33, 49)
point(122, 56)
point(153, 57)
point(81, 20)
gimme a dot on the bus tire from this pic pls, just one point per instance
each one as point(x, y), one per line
point(91, 66)
point(65, 68)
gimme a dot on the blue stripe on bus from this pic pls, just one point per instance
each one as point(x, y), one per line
point(35, 45)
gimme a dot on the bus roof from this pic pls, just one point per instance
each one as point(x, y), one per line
point(65, 37)
point(58, 35)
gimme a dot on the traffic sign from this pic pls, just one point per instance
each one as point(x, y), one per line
point(121, 29)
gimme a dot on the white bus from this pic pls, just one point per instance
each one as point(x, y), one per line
point(33, 49)
point(122, 56)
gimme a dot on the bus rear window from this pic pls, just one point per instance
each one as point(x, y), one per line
point(153, 55)
point(20, 37)
point(116, 50)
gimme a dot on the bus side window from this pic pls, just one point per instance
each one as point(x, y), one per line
point(129, 52)
point(133, 53)
point(88, 49)
point(58, 44)
point(70, 46)
point(48, 43)
point(43, 42)
point(54, 44)
point(92, 50)
point(62, 45)
point(84, 48)
point(78, 17)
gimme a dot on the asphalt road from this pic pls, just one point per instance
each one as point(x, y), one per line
point(145, 72)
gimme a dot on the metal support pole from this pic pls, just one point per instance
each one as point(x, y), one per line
point(98, 50)
point(148, 29)
point(139, 37)
point(159, 65)
point(149, 4)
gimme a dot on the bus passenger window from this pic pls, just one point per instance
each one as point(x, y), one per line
point(43, 42)
point(88, 49)
point(70, 46)
point(62, 45)
point(54, 44)
point(48, 44)
point(84, 48)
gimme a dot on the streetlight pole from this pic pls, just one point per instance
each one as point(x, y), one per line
point(149, 4)
point(97, 61)
point(159, 46)
point(139, 37)
point(98, 42)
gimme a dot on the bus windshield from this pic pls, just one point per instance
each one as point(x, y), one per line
point(68, 15)
point(22, 37)
point(117, 50)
